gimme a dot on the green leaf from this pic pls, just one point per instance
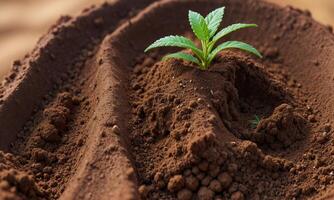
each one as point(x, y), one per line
point(183, 56)
point(175, 41)
point(214, 19)
point(198, 25)
point(234, 44)
point(255, 122)
point(227, 30)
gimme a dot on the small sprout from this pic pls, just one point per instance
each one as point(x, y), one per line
point(205, 30)
point(254, 122)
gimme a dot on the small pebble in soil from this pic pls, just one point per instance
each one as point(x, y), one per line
point(116, 130)
point(193, 104)
point(200, 101)
point(309, 108)
point(311, 118)
point(322, 137)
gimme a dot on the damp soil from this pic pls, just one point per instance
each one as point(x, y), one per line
point(87, 115)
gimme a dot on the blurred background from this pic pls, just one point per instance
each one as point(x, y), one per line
point(22, 22)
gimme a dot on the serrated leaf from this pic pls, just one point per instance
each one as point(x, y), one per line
point(183, 56)
point(213, 20)
point(230, 29)
point(198, 25)
point(234, 44)
point(175, 41)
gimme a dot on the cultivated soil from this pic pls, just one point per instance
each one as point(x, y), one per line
point(88, 115)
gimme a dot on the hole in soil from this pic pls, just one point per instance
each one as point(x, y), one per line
point(254, 106)
point(258, 97)
point(257, 94)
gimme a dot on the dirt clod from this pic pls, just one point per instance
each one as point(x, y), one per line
point(144, 190)
point(175, 183)
point(237, 196)
point(191, 182)
point(282, 128)
point(225, 179)
point(205, 193)
point(215, 186)
point(184, 194)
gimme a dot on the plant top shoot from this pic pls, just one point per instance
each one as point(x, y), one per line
point(206, 30)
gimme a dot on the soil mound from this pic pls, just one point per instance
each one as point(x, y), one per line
point(281, 129)
point(14, 183)
point(87, 115)
point(198, 119)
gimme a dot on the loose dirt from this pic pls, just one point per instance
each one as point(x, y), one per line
point(87, 115)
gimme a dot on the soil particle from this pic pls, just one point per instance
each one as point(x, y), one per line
point(225, 179)
point(322, 137)
point(327, 127)
point(187, 172)
point(184, 194)
point(159, 180)
point(191, 182)
point(144, 190)
point(232, 168)
point(215, 186)
point(116, 130)
point(49, 133)
point(57, 116)
point(175, 183)
point(67, 100)
point(15, 184)
point(205, 193)
point(272, 163)
point(203, 166)
point(206, 180)
point(213, 170)
point(195, 170)
point(40, 155)
point(312, 118)
point(237, 196)
point(282, 128)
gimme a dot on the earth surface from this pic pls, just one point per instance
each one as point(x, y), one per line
point(88, 115)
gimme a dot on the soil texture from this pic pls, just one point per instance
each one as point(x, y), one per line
point(88, 115)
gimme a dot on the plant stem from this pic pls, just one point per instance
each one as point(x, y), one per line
point(205, 54)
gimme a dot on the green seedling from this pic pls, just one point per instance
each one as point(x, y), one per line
point(254, 122)
point(206, 30)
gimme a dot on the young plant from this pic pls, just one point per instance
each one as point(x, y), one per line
point(254, 122)
point(205, 30)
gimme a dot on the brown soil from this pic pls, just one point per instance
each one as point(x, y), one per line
point(87, 115)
